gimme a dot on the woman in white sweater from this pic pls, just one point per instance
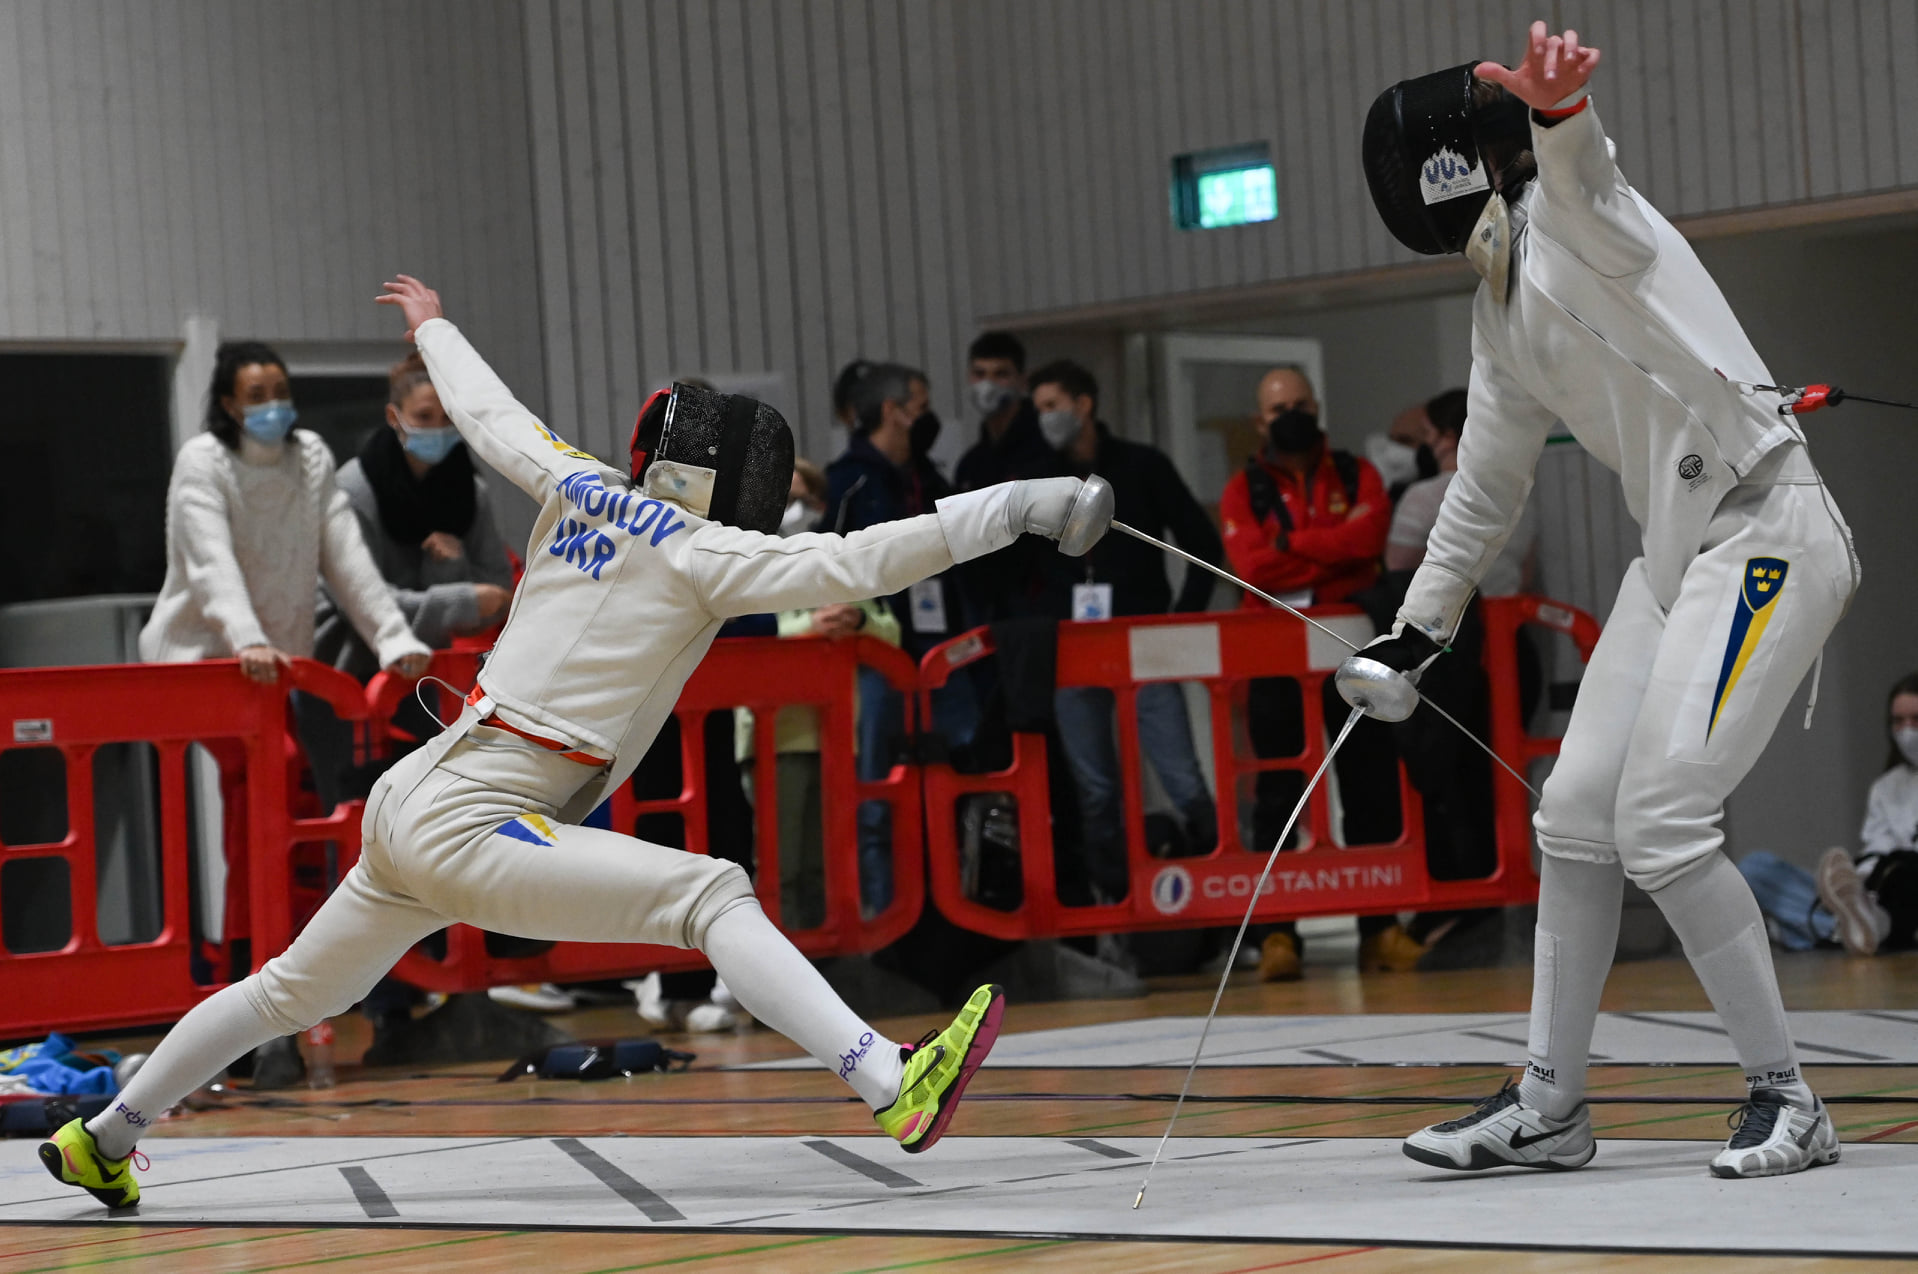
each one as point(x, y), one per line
point(254, 520)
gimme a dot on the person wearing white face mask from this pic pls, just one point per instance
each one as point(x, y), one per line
point(1870, 903)
point(427, 519)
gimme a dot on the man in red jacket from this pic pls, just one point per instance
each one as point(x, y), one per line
point(1307, 523)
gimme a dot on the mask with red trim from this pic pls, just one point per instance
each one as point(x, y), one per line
point(719, 456)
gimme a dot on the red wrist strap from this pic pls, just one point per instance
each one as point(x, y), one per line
point(1554, 116)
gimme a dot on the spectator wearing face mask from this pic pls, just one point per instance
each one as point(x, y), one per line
point(1006, 584)
point(427, 518)
point(254, 521)
point(1418, 507)
point(882, 477)
point(1122, 576)
point(1307, 523)
point(1870, 903)
point(1403, 453)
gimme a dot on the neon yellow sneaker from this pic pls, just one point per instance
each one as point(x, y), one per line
point(73, 1159)
point(938, 1070)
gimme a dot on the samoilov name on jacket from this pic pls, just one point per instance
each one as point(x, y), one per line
point(586, 542)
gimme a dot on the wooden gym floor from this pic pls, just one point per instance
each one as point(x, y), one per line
point(711, 1102)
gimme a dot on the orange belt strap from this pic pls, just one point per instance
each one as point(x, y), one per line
point(584, 758)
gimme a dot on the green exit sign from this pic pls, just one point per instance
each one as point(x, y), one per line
point(1230, 186)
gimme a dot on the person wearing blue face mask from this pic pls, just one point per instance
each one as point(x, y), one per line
point(254, 518)
point(427, 518)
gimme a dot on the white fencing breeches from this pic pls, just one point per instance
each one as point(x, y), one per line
point(468, 840)
point(1676, 707)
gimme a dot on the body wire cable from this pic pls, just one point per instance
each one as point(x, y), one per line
point(1343, 640)
point(1238, 941)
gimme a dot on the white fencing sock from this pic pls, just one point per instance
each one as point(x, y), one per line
point(775, 984)
point(1578, 909)
point(217, 1030)
point(1712, 910)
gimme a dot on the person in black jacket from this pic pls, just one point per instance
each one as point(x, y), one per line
point(1003, 585)
point(885, 475)
point(1122, 576)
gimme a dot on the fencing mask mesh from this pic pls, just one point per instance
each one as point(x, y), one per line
point(722, 456)
point(1426, 149)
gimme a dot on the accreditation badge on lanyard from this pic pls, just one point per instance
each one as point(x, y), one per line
point(928, 607)
point(1091, 601)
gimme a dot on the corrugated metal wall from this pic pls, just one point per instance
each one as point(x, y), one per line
point(265, 165)
point(745, 186)
point(1073, 108)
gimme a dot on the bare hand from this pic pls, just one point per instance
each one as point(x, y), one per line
point(262, 663)
point(493, 601)
point(443, 546)
point(417, 302)
point(410, 666)
point(1554, 68)
point(838, 620)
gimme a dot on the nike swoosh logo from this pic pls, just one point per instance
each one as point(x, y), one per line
point(927, 1073)
point(1805, 1138)
point(1520, 1140)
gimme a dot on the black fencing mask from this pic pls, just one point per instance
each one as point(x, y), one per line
point(720, 456)
point(1430, 149)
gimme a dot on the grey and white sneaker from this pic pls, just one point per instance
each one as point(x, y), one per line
point(1774, 1137)
point(1504, 1132)
point(1862, 923)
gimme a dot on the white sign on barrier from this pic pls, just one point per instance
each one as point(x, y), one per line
point(1165, 652)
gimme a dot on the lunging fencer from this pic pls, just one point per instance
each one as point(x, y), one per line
point(629, 576)
point(1595, 312)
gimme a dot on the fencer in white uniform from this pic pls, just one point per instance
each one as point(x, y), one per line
point(626, 586)
point(1595, 312)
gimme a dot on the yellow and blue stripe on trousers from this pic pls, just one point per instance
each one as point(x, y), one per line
point(1764, 580)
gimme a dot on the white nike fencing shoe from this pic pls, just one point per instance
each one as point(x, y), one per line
point(1504, 1132)
point(1774, 1137)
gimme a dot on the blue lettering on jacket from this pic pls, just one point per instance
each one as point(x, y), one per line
point(584, 542)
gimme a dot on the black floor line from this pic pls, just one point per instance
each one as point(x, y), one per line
point(1652, 1020)
point(148, 1187)
point(863, 1166)
point(618, 1181)
point(1328, 1055)
point(1497, 1039)
point(1100, 1148)
point(372, 1199)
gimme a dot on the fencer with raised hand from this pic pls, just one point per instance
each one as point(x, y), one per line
point(1595, 312)
point(629, 576)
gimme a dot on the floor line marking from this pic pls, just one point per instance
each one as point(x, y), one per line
point(961, 1256)
point(714, 1256)
point(1650, 1020)
point(1497, 1039)
point(1099, 1148)
point(865, 1167)
point(173, 1251)
point(1893, 1131)
point(613, 1178)
point(1306, 1260)
point(292, 1167)
point(372, 1199)
point(1328, 1054)
point(68, 1247)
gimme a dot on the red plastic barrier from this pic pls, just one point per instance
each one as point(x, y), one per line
point(86, 983)
point(1222, 652)
point(764, 676)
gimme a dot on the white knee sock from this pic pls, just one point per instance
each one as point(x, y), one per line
point(1712, 910)
point(219, 1029)
point(774, 983)
point(1578, 908)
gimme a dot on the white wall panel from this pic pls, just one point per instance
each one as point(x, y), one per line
point(265, 166)
point(1715, 105)
point(744, 186)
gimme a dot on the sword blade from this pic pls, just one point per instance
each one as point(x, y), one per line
point(1238, 940)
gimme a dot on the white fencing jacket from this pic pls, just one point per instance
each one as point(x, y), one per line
point(1613, 326)
point(623, 593)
